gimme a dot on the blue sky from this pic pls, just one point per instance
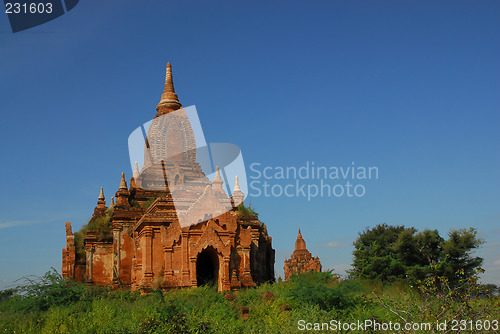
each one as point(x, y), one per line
point(410, 87)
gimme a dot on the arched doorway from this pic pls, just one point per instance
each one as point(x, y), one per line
point(207, 267)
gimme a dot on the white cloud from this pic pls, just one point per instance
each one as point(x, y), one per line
point(334, 244)
point(14, 223)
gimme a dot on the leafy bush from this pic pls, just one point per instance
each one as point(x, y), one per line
point(6, 294)
point(322, 289)
point(40, 293)
point(435, 300)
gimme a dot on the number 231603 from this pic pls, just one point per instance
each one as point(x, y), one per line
point(31, 8)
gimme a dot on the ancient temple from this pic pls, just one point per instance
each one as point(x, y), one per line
point(301, 260)
point(172, 227)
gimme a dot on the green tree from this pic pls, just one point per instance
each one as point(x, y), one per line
point(374, 256)
point(457, 260)
point(429, 244)
point(389, 253)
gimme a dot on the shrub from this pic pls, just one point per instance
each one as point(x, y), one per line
point(246, 211)
point(49, 304)
point(148, 203)
point(436, 300)
point(40, 293)
point(101, 225)
point(323, 290)
point(6, 294)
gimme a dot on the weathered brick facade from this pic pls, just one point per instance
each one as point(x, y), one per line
point(301, 260)
point(139, 243)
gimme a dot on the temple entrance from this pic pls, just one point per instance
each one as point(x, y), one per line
point(207, 267)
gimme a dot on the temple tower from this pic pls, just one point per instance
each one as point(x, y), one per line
point(301, 260)
point(171, 228)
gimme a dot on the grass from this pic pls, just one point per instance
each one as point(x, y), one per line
point(49, 304)
point(247, 211)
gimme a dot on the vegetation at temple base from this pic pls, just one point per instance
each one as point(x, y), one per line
point(391, 253)
point(50, 304)
point(400, 276)
point(101, 225)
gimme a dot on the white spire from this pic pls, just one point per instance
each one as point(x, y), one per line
point(217, 178)
point(238, 196)
point(236, 185)
point(136, 171)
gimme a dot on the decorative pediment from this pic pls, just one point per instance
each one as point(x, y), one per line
point(212, 224)
point(210, 237)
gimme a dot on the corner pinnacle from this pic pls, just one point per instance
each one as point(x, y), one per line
point(101, 195)
point(123, 183)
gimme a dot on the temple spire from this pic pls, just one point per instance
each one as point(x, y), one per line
point(122, 194)
point(236, 184)
point(217, 178)
point(238, 196)
point(169, 82)
point(217, 182)
point(169, 100)
point(300, 243)
point(136, 171)
point(123, 183)
point(100, 209)
point(101, 195)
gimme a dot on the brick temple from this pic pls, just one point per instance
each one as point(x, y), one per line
point(140, 241)
point(301, 260)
